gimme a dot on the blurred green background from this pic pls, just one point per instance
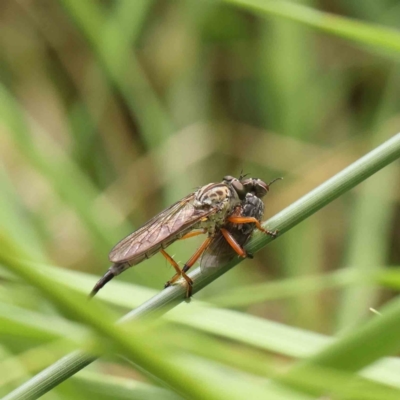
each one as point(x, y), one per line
point(112, 110)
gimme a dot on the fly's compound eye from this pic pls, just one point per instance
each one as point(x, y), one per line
point(256, 186)
point(228, 178)
point(248, 185)
point(260, 188)
point(239, 188)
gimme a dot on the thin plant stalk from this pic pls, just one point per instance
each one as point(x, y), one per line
point(342, 182)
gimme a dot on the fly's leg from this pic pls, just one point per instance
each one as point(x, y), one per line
point(177, 269)
point(179, 272)
point(192, 261)
point(173, 262)
point(239, 250)
point(187, 266)
point(196, 255)
point(192, 234)
point(252, 220)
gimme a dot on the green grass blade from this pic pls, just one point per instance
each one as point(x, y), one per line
point(100, 385)
point(72, 186)
point(147, 353)
point(307, 205)
point(123, 71)
point(370, 34)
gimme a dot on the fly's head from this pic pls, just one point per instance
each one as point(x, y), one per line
point(256, 186)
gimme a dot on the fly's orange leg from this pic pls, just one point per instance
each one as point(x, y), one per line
point(239, 250)
point(252, 220)
point(192, 234)
point(177, 269)
point(179, 272)
point(196, 255)
point(191, 262)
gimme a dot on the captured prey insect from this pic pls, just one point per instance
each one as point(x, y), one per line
point(229, 241)
point(206, 211)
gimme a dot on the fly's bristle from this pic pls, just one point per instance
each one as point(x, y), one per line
point(106, 278)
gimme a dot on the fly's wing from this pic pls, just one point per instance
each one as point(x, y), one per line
point(163, 228)
point(219, 251)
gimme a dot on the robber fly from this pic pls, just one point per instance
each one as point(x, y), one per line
point(230, 239)
point(205, 211)
point(202, 211)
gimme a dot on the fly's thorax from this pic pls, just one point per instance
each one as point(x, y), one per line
point(215, 195)
point(219, 195)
